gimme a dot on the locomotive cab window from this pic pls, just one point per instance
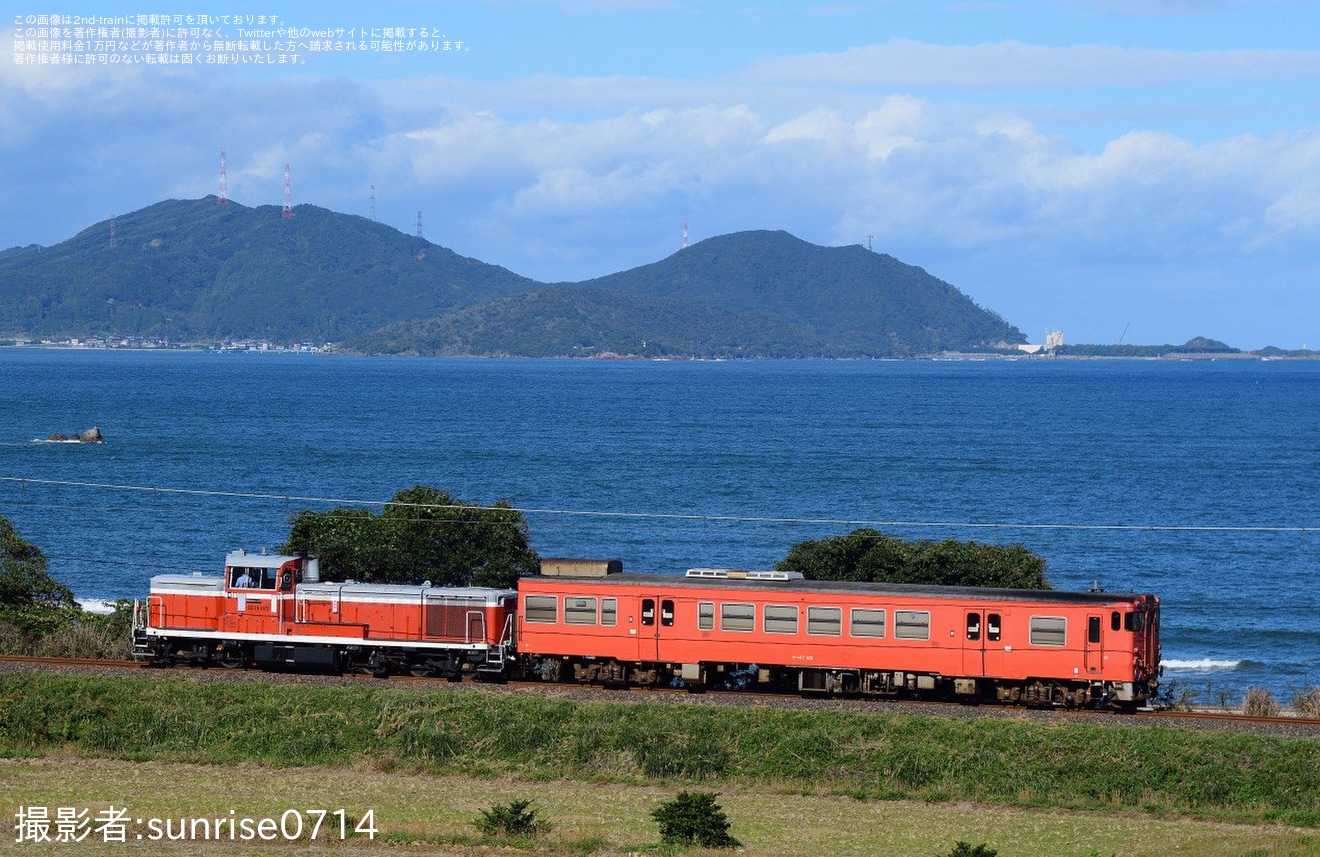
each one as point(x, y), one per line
point(648, 611)
point(1048, 631)
point(825, 621)
point(541, 609)
point(780, 619)
point(706, 616)
point(867, 623)
point(579, 611)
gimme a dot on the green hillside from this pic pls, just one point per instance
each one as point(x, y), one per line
point(194, 270)
point(750, 294)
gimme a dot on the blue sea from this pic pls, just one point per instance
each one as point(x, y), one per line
point(1193, 480)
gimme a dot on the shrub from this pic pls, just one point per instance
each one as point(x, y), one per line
point(693, 818)
point(513, 820)
point(962, 849)
point(1307, 702)
point(1259, 702)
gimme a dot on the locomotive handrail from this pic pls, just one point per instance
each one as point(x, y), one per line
point(467, 625)
point(160, 609)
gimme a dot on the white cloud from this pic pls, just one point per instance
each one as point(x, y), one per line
point(1009, 64)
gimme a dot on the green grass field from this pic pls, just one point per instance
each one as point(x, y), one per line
point(791, 782)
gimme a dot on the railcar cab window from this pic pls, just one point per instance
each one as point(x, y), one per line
point(1134, 622)
point(541, 609)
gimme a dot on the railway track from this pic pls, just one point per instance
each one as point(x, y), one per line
point(1305, 726)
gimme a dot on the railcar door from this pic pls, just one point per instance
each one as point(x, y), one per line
point(974, 634)
point(1095, 646)
point(656, 614)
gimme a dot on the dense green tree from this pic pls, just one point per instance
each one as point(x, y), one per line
point(421, 534)
point(867, 555)
point(30, 599)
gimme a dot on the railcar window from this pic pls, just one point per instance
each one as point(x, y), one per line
point(609, 612)
point(648, 611)
point(541, 609)
point(706, 616)
point(1116, 621)
point(973, 626)
point(825, 621)
point(992, 627)
point(780, 619)
point(867, 623)
point(1093, 629)
point(912, 624)
point(579, 611)
point(667, 613)
point(1134, 622)
point(1048, 631)
point(737, 617)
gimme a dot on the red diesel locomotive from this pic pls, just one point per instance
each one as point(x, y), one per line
point(586, 621)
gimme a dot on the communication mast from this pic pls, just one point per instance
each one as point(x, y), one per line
point(288, 205)
point(373, 203)
point(419, 224)
point(113, 243)
point(224, 182)
point(684, 234)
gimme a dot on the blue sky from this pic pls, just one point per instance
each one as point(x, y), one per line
point(1138, 169)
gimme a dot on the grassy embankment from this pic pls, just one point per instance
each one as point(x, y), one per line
point(1153, 775)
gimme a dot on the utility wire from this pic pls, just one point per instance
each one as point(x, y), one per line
point(671, 516)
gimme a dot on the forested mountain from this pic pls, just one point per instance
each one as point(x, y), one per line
point(750, 294)
point(196, 270)
point(192, 269)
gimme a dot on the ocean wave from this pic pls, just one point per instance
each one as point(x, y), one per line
point(1201, 664)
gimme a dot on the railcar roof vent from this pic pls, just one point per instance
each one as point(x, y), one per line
point(733, 574)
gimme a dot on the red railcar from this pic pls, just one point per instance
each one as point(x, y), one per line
point(274, 610)
point(717, 627)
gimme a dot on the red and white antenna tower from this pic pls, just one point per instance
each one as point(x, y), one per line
point(684, 234)
point(288, 206)
point(224, 182)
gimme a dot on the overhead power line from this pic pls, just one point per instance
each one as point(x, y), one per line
point(671, 516)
